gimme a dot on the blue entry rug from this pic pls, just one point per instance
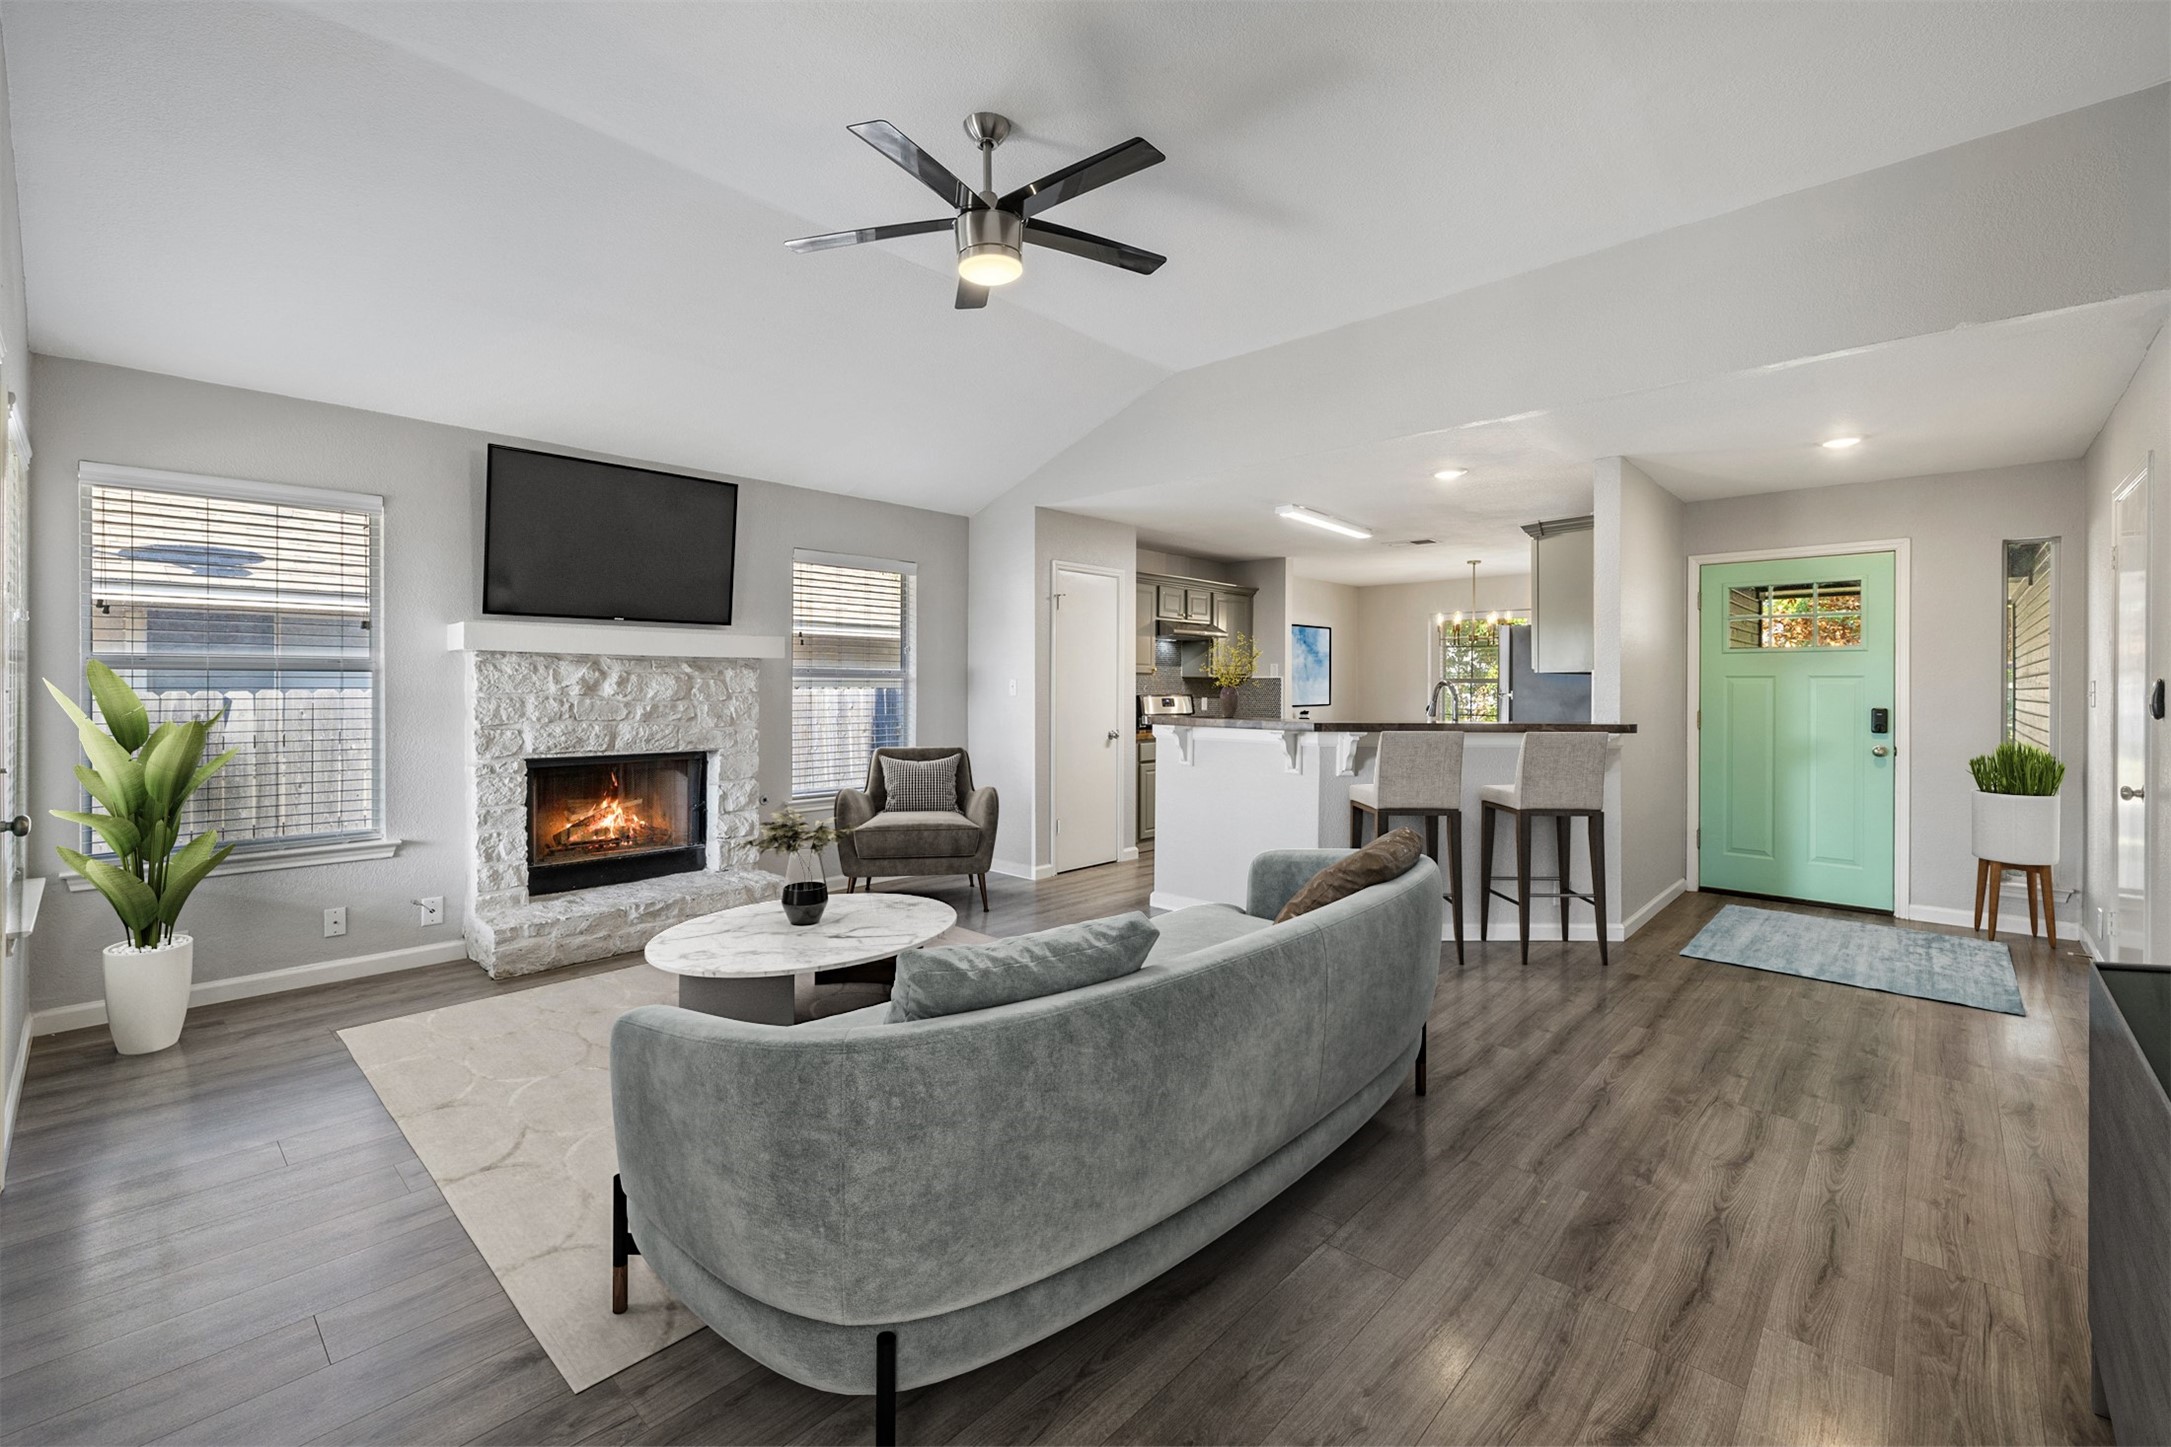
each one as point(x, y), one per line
point(1952, 968)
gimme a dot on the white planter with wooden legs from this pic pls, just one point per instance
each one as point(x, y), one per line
point(147, 993)
point(2016, 831)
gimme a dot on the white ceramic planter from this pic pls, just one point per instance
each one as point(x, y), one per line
point(147, 993)
point(2016, 828)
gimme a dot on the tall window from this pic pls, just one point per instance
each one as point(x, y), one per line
point(207, 594)
point(1469, 658)
point(2028, 675)
point(852, 663)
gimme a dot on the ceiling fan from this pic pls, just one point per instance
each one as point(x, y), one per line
point(992, 231)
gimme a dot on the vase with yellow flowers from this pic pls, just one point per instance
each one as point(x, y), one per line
point(1231, 663)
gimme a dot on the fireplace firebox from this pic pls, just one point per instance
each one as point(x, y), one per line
point(614, 819)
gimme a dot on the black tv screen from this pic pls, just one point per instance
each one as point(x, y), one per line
point(567, 538)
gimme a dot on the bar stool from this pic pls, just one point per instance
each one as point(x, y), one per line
point(1420, 774)
point(1561, 776)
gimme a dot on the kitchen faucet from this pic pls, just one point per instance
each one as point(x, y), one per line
point(1432, 704)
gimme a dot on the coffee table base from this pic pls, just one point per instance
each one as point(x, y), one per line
point(764, 999)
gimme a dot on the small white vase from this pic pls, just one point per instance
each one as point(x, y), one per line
point(2016, 828)
point(147, 993)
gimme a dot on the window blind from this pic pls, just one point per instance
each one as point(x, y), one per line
point(852, 664)
point(261, 601)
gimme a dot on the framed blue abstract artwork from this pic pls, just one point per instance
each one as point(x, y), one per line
point(1311, 665)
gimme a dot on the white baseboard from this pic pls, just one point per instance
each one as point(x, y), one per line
point(2088, 943)
point(55, 1018)
point(1162, 901)
point(2011, 908)
point(14, 1097)
point(1014, 870)
point(1128, 854)
point(1650, 911)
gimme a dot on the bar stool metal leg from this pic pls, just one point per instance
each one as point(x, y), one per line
point(1596, 824)
point(1454, 875)
point(1522, 881)
point(1486, 816)
point(1563, 848)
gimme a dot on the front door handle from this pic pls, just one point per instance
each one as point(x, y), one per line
point(1880, 751)
point(2129, 793)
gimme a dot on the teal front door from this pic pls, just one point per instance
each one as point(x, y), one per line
point(1796, 780)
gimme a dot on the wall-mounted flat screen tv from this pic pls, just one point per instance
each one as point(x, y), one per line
point(564, 537)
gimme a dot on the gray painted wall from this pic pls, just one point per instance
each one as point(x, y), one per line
point(1957, 523)
point(15, 376)
point(431, 478)
point(2139, 425)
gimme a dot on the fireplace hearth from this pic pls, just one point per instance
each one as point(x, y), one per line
point(612, 819)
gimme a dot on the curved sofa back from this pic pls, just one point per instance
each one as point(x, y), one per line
point(888, 1172)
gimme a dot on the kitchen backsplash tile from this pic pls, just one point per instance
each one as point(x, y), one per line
point(1260, 698)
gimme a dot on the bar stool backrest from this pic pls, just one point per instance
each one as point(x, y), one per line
point(1561, 771)
point(1420, 769)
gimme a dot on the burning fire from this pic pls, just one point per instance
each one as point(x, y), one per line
point(613, 823)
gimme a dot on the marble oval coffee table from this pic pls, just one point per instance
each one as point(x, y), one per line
point(749, 963)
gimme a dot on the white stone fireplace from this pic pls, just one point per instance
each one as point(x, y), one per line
point(552, 702)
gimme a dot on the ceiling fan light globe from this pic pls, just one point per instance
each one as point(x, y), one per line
point(990, 264)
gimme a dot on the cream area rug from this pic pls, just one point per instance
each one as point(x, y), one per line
point(507, 1102)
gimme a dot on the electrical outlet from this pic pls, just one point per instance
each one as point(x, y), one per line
point(431, 908)
point(335, 921)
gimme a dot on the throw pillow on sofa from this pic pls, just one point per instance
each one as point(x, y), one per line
point(1383, 859)
point(920, 784)
point(952, 979)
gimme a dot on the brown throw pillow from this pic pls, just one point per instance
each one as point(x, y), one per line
point(1383, 859)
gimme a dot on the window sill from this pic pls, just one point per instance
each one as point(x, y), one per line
point(302, 857)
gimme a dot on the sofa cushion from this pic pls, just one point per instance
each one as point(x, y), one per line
point(1187, 931)
point(1383, 859)
point(951, 979)
point(920, 785)
point(917, 834)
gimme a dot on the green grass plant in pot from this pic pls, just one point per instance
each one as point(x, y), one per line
point(2016, 817)
point(142, 777)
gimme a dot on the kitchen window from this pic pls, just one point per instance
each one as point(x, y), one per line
point(262, 600)
point(1468, 656)
point(852, 667)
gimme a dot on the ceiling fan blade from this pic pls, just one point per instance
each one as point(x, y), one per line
point(1091, 247)
point(900, 148)
point(970, 297)
point(1080, 177)
point(830, 239)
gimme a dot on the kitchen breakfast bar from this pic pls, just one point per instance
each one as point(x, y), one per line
point(1231, 788)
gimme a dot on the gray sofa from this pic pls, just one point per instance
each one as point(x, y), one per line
point(886, 841)
point(864, 1205)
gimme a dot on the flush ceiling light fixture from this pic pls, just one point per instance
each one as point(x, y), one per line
point(1841, 444)
point(1449, 474)
point(1314, 519)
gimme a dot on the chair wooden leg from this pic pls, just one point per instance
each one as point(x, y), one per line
point(2050, 909)
point(1997, 887)
point(1485, 816)
point(1432, 838)
point(2035, 924)
point(983, 892)
point(1454, 876)
point(1982, 874)
point(885, 1389)
point(621, 1247)
point(1522, 881)
point(1424, 1042)
point(1356, 827)
point(1596, 825)
point(1561, 845)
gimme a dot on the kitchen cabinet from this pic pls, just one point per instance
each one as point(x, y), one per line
point(1232, 613)
point(1562, 566)
point(1146, 785)
point(1145, 627)
point(1198, 605)
point(1168, 602)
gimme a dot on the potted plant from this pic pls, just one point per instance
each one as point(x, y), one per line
point(1231, 662)
point(143, 777)
point(2016, 804)
point(806, 890)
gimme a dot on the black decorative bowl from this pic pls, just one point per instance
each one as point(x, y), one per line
point(805, 901)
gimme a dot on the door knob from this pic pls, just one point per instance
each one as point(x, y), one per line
point(19, 826)
point(1114, 734)
point(1880, 751)
point(2125, 791)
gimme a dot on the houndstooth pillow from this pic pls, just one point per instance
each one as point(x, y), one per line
point(921, 784)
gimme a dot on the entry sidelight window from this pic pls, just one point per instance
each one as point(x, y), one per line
point(2027, 630)
point(1794, 615)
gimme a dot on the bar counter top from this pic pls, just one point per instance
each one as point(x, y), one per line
point(1338, 726)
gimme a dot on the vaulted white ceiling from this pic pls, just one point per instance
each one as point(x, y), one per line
point(565, 221)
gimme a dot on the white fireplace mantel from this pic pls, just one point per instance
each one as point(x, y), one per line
point(620, 640)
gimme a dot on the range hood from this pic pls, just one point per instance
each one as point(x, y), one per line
point(1169, 628)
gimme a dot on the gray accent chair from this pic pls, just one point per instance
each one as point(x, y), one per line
point(886, 841)
point(865, 1205)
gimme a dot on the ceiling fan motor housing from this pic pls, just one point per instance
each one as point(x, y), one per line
point(990, 232)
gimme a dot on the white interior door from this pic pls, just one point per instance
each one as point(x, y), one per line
point(1087, 705)
point(2129, 721)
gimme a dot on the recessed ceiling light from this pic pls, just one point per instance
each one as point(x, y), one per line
point(1841, 444)
point(1313, 519)
point(1449, 474)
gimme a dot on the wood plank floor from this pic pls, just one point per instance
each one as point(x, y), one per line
point(1671, 1202)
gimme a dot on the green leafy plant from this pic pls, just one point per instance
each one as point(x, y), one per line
point(1232, 661)
point(143, 776)
point(788, 831)
point(2017, 768)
